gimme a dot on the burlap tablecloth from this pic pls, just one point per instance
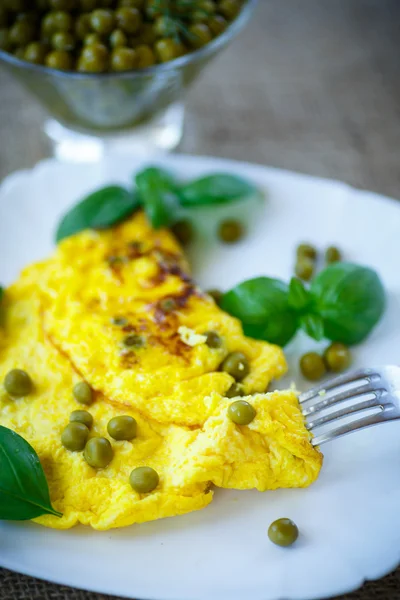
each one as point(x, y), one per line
point(312, 86)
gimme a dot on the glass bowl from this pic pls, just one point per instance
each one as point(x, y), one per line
point(133, 110)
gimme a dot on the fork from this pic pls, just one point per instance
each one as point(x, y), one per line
point(366, 391)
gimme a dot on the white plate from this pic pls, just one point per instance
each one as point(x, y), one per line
point(350, 530)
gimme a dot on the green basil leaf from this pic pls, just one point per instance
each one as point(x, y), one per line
point(100, 210)
point(219, 188)
point(254, 300)
point(158, 194)
point(350, 299)
point(262, 306)
point(1, 293)
point(299, 298)
point(24, 493)
point(313, 325)
point(280, 329)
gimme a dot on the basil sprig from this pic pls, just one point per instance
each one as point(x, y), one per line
point(343, 304)
point(219, 188)
point(160, 194)
point(24, 493)
point(100, 210)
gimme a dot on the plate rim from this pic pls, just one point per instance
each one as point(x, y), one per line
point(15, 178)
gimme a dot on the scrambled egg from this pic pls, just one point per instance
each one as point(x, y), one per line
point(96, 277)
point(58, 327)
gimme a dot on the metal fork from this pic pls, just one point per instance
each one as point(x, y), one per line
point(365, 391)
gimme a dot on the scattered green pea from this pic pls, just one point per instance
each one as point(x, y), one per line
point(83, 393)
point(337, 357)
point(332, 255)
point(144, 480)
point(230, 231)
point(312, 366)
point(82, 416)
point(98, 452)
point(122, 428)
point(213, 339)
point(241, 412)
point(304, 268)
point(74, 436)
point(283, 532)
point(18, 383)
point(237, 365)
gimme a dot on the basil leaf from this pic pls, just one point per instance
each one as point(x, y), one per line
point(350, 299)
point(280, 329)
point(100, 210)
point(262, 306)
point(313, 325)
point(24, 493)
point(299, 298)
point(1, 293)
point(219, 188)
point(157, 191)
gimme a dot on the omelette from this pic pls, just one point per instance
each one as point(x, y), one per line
point(118, 309)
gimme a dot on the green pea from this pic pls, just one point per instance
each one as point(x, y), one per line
point(199, 35)
point(229, 8)
point(82, 416)
point(17, 383)
point(167, 305)
point(304, 268)
point(83, 393)
point(63, 40)
point(332, 255)
point(133, 341)
point(283, 532)
point(118, 39)
point(94, 58)
point(119, 321)
point(306, 250)
point(237, 365)
point(230, 231)
point(98, 452)
point(144, 480)
point(165, 26)
point(337, 357)
point(57, 20)
point(74, 437)
point(217, 24)
point(312, 366)
point(122, 428)
point(183, 231)
point(234, 391)
point(59, 59)
point(128, 19)
point(82, 26)
point(35, 53)
point(145, 57)
point(123, 59)
point(168, 49)
point(241, 412)
point(102, 21)
point(213, 339)
point(21, 33)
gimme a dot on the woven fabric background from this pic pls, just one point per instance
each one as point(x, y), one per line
point(312, 86)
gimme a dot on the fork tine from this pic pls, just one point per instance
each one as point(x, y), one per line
point(348, 394)
point(349, 428)
point(344, 412)
point(337, 381)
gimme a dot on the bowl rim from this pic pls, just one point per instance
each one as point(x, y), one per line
point(192, 57)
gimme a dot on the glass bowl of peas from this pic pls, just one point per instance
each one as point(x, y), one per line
point(112, 74)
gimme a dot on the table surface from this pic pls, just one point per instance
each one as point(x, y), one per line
point(312, 86)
